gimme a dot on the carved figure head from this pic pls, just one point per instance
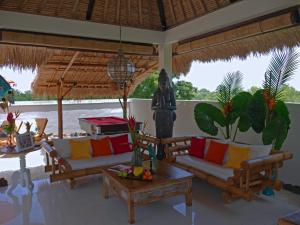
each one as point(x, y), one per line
point(163, 80)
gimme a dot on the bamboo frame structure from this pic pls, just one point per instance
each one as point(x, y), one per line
point(252, 177)
point(61, 170)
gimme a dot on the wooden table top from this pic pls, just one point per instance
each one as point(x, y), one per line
point(6, 152)
point(166, 174)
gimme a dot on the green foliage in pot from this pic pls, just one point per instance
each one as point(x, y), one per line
point(232, 108)
point(268, 112)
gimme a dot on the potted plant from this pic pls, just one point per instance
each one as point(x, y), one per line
point(267, 110)
point(231, 110)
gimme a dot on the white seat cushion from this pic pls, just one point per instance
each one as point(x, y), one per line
point(207, 167)
point(100, 161)
point(256, 151)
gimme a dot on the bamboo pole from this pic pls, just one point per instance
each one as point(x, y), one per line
point(60, 117)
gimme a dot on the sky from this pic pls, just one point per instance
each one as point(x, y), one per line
point(202, 75)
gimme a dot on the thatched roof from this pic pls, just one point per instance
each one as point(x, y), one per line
point(84, 74)
point(257, 37)
point(147, 14)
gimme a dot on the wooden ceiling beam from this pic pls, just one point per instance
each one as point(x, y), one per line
point(193, 8)
point(90, 10)
point(162, 16)
point(69, 65)
point(72, 43)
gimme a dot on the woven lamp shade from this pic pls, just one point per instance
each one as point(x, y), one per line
point(120, 69)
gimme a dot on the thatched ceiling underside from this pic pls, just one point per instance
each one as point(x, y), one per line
point(256, 38)
point(147, 14)
point(87, 76)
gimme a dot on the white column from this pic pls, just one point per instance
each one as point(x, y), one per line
point(165, 57)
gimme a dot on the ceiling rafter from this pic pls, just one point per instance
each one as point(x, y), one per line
point(162, 15)
point(172, 11)
point(193, 8)
point(105, 9)
point(128, 11)
point(75, 6)
point(140, 12)
point(90, 10)
point(118, 20)
point(182, 10)
point(204, 6)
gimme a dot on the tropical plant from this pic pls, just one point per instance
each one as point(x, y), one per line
point(233, 105)
point(267, 110)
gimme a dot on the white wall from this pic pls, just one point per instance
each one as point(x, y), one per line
point(185, 125)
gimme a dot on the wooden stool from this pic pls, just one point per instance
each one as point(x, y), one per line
point(290, 219)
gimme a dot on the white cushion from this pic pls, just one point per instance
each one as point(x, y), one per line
point(256, 150)
point(62, 146)
point(100, 161)
point(207, 167)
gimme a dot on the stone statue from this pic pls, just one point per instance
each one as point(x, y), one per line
point(164, 106)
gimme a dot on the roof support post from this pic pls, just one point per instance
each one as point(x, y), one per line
point(165, 58)
point(60, 111)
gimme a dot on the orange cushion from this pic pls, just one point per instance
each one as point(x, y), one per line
point(101, 147)
point(216, 152)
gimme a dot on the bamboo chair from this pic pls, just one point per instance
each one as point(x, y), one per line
point(41, 124)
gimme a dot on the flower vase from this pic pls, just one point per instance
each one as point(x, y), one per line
point(136, 159)
point(10, 140)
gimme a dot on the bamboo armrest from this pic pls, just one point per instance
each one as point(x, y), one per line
point(266, 160)
point(166, 141)
point(49, 150)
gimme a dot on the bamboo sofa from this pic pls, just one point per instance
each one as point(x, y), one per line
point(251, 178)
point(62, 168)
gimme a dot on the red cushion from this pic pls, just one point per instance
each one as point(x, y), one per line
point(120, 144)
point(216, 152)
point(197, 147)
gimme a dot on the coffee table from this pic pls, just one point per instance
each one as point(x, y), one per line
point(169, 181)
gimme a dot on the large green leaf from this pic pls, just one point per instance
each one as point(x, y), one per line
point(240, 106)
point(206, 115)
point(277, 129)
point(257, 111)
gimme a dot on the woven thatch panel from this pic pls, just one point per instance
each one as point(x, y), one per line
point(87, 74)
point(23, 57)
point(257, 38)
point(133, 13)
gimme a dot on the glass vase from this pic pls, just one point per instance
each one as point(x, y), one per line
point(136, 159)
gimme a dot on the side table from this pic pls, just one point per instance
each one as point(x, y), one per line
point(22, 176)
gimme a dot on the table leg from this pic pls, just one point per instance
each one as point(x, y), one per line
point(188, 194)
point(130, 206)
point(105, 191)
point(25, 176)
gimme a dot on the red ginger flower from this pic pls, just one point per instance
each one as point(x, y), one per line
point(131, 123)
point(10, 117)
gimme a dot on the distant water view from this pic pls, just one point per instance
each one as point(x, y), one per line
point(70, 120)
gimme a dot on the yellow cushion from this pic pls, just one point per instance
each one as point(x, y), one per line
point(236, 155)
point(80, 149)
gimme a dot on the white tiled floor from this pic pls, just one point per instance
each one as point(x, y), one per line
point(56, 204)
